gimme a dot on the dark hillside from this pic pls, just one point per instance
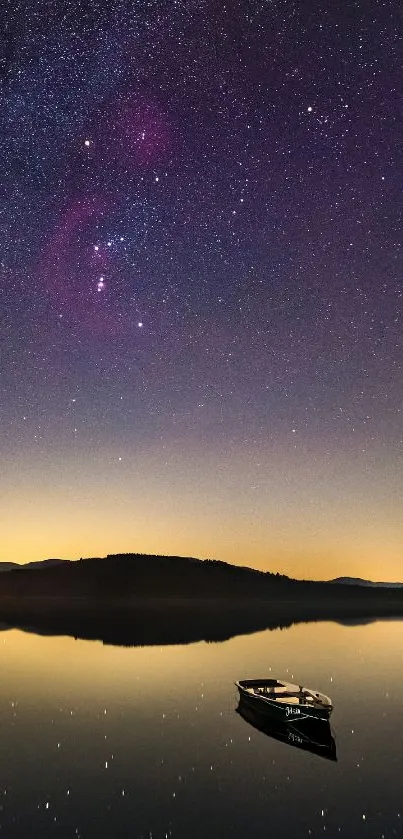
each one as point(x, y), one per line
point(142, 576)
point(125, 577)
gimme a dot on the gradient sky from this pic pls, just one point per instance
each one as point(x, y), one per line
point(201, 282)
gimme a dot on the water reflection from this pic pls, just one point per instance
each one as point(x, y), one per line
point(313, 736)
point(99, 741)
point(161, 623)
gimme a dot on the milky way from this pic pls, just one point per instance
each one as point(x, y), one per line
point(201, 238)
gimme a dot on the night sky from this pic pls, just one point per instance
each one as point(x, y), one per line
point(201, 250)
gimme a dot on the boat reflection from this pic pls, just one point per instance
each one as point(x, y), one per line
point(311, 735)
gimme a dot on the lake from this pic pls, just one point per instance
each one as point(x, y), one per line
point(102, 741)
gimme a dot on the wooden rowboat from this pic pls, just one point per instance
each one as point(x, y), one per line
point(285, 700)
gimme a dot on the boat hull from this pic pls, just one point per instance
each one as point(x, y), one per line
point(290, 712)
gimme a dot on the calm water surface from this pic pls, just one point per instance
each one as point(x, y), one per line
point(101, 741)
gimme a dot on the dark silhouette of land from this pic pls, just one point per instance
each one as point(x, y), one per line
point(136, 599)
point(15, 566)
point(358, 581)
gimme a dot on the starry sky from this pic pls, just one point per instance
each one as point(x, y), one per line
point(201, 282)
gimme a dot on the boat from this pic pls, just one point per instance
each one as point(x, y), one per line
point(313, 736)
point(284, 700)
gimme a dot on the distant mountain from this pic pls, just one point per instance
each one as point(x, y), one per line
point(43, 563)
point(358, 581)
point(125, 577)
point(169, 576)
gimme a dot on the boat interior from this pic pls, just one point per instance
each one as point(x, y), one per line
point(285, 693)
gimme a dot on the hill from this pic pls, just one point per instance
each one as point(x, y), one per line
point(137, 575)
point(42, 563)
point(358, 581)
point(127, 577)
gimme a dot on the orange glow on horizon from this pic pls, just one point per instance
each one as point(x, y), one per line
point(295, 512)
